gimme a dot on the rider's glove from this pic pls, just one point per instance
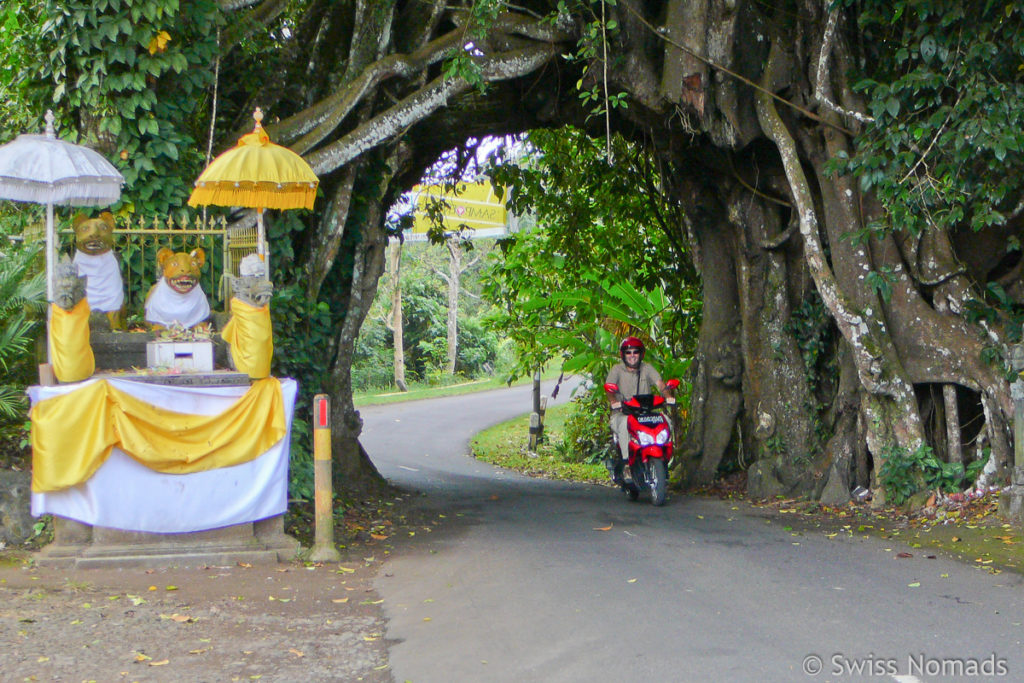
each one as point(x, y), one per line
point(671, 400)
point(617, 405)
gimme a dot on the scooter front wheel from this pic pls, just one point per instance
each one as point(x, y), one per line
point(658, 474)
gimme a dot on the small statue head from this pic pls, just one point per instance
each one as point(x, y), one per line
point(181, 270)
point(94, 235)
point(253, 287)
point(69, 286)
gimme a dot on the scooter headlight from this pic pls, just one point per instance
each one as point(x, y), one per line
point(645, 439)
point(662, 438)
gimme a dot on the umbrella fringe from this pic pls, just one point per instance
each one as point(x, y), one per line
point(255, 197)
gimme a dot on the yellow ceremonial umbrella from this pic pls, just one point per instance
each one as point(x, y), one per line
point(258, 174)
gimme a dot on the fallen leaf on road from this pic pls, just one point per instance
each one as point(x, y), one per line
point(160, 663)
point(199, 651)
point(903, 555)
point(139, 657)
point(340, 600)
point(345, 570)
point(603, 528)
point(631, 581)
point(297, 653)
point(180, 618)
point(916, 584)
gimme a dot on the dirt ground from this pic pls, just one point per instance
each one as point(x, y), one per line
point(243, 623)
point(287, 622)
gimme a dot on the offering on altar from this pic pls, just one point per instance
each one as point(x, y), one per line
point(177, 297)
point(96, 260)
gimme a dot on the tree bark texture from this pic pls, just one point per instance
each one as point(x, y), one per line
point(805, 370)
point(396, 324)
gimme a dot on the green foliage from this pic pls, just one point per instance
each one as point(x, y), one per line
point(903, 474)
point(943, 83)
point(22, 302)
point(128, 77)
point(597, 266)
point(462, 64)
point(997, 307)
point(587, 437)
point(424, 316)
point(302, 337)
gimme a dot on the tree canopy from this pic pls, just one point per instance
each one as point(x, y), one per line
point(846, 177)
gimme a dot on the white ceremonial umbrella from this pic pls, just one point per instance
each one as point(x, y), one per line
point(43, 169)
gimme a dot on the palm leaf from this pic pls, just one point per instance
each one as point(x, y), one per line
point(12, 403)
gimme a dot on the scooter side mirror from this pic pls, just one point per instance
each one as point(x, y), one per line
point(611, 388)
point(672, 384)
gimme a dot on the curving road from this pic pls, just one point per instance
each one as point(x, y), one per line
point(534, 580)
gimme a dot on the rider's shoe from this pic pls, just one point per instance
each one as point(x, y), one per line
point(614, 466)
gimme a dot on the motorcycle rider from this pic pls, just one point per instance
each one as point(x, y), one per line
point(633, 376)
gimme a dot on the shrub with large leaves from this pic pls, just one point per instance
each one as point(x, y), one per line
point(22, 301)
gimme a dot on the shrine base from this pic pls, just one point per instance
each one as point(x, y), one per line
point(81, 546)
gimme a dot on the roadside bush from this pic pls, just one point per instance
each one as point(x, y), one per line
point(477, 348)
point(587, 436)
point(905, 473)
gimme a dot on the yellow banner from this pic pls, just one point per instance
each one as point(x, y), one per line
point(473, 205)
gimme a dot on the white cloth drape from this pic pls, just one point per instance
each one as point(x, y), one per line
point(103, 288)
point(166, 306)
point(124, 494)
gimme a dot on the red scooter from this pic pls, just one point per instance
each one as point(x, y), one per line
point(650, 445)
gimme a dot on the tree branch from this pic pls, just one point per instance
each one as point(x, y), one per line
point(820, 89)
point(421, 104)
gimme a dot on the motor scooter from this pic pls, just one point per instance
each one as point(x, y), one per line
point(650, 445)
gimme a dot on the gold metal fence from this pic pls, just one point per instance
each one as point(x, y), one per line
point(137, 239)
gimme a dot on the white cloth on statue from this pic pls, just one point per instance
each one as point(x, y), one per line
point(104, 288)
point(166, 306)
point(124, 494)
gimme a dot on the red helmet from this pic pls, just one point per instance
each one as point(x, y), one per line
point(630, 343)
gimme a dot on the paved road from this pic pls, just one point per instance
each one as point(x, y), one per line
point(528, 583)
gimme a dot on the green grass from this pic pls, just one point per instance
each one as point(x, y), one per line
point(506, 444)
point(392, 395)
point(418, 391)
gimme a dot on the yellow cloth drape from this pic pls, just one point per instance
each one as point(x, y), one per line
point(251, 338)
point(73, 434)
point(70, 352)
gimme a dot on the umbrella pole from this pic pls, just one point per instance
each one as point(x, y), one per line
point(261, 240)
point(50, 261)
point(50, 271)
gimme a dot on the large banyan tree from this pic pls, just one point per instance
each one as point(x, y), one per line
point(849, 172)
